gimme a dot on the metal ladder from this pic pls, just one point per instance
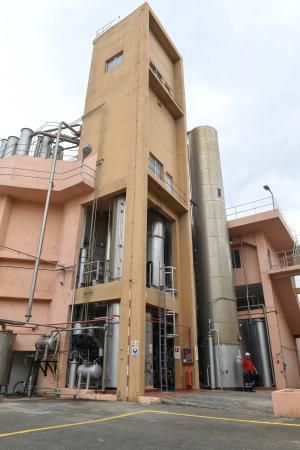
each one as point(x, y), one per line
point(166, 317)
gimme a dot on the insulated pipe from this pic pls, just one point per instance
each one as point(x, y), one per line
point(23, 145)
point(28, 314)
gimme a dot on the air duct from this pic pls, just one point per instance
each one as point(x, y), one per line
point(215, 295)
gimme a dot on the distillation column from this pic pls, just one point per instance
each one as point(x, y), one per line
point(217, 316)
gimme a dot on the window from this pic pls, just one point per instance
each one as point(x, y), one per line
point(235, 258)
point(114, 62)
point(169, 182)
point(219, 192)
point(156, 166)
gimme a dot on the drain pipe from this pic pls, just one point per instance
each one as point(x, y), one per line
point(28, 314)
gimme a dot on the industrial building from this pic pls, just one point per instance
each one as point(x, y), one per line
point(98, 293)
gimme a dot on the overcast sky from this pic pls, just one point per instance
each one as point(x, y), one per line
point(242, 76)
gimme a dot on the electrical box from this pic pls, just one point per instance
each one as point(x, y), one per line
point(187, 355)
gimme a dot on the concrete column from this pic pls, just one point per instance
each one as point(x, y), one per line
point(270, 303)
point(5, 210)
point(133, 303)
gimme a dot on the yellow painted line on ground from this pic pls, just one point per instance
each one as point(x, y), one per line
point(227, 419)
point(72, 424)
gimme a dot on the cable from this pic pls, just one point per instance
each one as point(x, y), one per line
point(28, 254)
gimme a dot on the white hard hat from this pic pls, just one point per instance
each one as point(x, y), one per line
point(247, 354)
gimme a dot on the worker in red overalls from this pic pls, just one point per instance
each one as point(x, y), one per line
point(249, 371)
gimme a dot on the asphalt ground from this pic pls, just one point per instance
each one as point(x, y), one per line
point(75, 424)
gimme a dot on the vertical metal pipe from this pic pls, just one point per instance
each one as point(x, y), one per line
point(28, 314)
point(211, 362)
point(104, 358)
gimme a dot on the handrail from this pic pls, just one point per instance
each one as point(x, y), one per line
point(59, 176)
point(164, 83)
point(171, 188)
point(106, 27)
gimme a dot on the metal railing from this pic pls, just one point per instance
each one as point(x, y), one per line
point(285, 258)
point(258, 206)
point(95, 272)
point(44, 174)
point(107, 26)
point(170, 186)
point(254, 207)
point(164, 83)
point(249, 303)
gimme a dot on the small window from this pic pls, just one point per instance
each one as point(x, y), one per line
point(219, 192)
point(236, 259)
point(169, 182)
point(156, 166)
point(114, 62)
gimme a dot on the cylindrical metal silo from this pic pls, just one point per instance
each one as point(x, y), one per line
point(112, 346)
point(149, 351)
point(156, 247)
point(217, 313)
point(23, 145)
point(11, 146)
point(263, 360)
point(117, 237)
point(45, 147)
point(3, 143)
point(6, 344)
point(38, 145)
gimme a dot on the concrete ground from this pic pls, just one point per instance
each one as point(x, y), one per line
point(209, 421)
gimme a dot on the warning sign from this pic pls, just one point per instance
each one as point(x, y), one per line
point(135, 348)
point(176, 352)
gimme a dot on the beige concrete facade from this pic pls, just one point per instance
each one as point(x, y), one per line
point(262, 240)
point(131, 113)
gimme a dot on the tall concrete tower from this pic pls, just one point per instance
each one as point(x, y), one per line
point(135, 122)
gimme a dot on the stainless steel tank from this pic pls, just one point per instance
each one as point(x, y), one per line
point(3, 143)
point(89, 372)
point(6, 345)
point(38, 145)
point(156, 247)
point(24, 142)
point(11, 146)
point(149, 351)
point(117, 237)
point(112, 346)
point(215, 294)
point(45, 148)
point(255, 340)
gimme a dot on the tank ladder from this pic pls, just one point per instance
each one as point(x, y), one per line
point(167, 318)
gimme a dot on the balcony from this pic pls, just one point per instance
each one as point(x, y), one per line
point(285, 263)
point(27, 178)
point(166, 188)
point(164, 92)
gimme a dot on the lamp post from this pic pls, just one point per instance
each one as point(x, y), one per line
point(267, 188)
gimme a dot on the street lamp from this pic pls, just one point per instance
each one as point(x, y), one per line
point(267, 188)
